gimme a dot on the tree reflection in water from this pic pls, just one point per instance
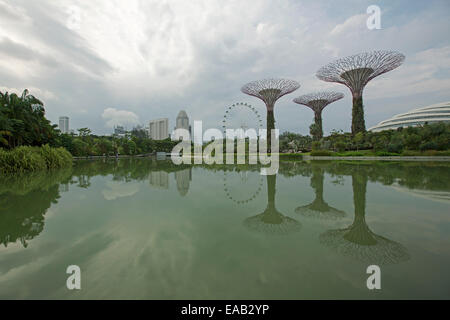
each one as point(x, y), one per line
point(357, 240)
point(271, 221)
point(24, 200)
point(319, 208)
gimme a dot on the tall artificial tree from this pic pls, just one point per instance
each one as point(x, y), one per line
point(355, 72)
point(317, 102)
point(269, 91)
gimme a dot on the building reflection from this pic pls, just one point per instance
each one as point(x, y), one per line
point(271, 221)
point(183, 179)
point(319, 208)
point(159, 179)
point(357, 240)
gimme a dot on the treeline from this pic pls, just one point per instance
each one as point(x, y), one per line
point(23, 123)
point(405, 141)
point(133, 143)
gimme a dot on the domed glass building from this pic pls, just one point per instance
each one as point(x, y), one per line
point(432, 114)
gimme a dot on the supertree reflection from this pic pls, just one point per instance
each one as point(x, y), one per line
point(271, 221)
point(358, 241)
point(319, 208)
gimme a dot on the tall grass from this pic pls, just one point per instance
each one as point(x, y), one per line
point(26, 159)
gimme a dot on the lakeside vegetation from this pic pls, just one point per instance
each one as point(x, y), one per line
point(426, 140)
point(26, 158)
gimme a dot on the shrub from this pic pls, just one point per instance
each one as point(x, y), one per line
point(429, 145)
point(294, 157)
point(351, 154)
point(321, 153)
point(411, 153)
point(25, 159)
point(340, 146)
point(395, 147)
point(315, 145)
point(386, 154)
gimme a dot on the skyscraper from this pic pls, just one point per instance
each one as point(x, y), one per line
point(159, 129)
point(64, 124)
point(182, 121)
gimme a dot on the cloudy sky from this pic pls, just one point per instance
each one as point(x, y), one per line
point(108, 62)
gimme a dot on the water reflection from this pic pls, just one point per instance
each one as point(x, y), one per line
point(357, 240)
point(271, 221)
point(183, 179)
point(159, 179)
point(24, 200)
point(319, 208)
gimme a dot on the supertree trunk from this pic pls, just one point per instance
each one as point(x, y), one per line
point(358, 122)
point(271, 188)
point(318, 122)
point(270, 127)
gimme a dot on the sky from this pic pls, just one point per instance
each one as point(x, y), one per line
point(109, 62)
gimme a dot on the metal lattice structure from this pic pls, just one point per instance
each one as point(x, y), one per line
point(317, 102)
point(269, 91)
point(355, 72)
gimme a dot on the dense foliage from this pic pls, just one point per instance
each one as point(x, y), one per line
point(23, 122)
point(86, 144)
point(26, 158)
point(405, 141)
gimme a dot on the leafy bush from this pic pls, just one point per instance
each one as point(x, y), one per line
point(294, 157)
point(24, 159)
point(351, 154)
point(429, 145)
point(386, 154)
point(395, 147)
point(321, 153)
point(315, 145)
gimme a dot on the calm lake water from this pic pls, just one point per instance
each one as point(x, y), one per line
point(147, 229)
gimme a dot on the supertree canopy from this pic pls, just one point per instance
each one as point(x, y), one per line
point(355, 72)
point(317, 102)
point(269, 91)
point(271, 221)
point(319, 208)
point(358, 241)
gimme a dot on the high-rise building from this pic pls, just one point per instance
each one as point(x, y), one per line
point(183, 121)
point(159, 129)
point(64, 124)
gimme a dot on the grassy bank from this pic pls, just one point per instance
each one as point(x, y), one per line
point(371, 153)
point(26, 159)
